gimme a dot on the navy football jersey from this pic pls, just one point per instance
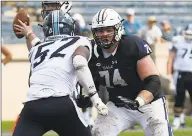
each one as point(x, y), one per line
point(118, 72)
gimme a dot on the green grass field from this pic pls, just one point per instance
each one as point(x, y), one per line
point(176, 133)
point(7, 125)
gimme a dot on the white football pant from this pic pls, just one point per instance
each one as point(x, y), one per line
point(154, 120)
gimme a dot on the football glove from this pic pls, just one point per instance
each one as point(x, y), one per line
point(127, 103)
point(99, 105)
point(83, 101)
point(171, 82)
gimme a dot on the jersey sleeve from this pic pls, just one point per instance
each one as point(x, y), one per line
point(144, 49)
point(84, 41)
point(174, 45)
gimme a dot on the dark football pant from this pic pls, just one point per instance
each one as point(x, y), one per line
point(55, 113)
point(184, 82)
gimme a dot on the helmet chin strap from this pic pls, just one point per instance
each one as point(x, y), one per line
point(112, 44)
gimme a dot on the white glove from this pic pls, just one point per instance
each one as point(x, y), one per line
point(99, 105)
point(171, 82)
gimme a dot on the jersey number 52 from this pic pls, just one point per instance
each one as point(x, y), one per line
point(43, 54)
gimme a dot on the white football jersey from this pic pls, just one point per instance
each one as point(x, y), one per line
point(183, 58)
point(52, 71)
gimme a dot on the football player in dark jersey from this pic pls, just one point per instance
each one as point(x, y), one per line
point(123, 65)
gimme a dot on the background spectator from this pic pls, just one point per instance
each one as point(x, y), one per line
point(167, 32)
point(131, 25)
point(152, 34)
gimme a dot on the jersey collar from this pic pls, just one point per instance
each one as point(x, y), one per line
point(56, 37)
point(98, 51)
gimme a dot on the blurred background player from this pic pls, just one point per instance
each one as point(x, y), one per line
point(179, 68)
point(48, 6)
point(131, 25)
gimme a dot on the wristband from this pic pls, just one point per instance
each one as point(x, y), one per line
point(28, 34)
point(35, 41)
point(140, 101)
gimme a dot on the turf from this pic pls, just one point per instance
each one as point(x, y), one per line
point(7, 125)
point(176, 133)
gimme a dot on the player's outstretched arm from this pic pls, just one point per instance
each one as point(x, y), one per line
point(80, 63)
point(27, 31)
point(7, 53)
point(150, 77)
point(170, 63)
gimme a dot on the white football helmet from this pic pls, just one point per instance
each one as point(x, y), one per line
point(187, 33)
point(107, 18)
point(55, 5)
point(66, 6)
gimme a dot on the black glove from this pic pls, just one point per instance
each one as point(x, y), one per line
point(83, 101)
point(127, 103)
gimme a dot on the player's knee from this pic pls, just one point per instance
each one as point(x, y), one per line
point(96, 133)
point(156, 126)
point(79, 62)
point(102, 132)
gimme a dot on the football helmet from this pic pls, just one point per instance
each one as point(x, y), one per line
point(104, 19)
point(187, 33)
point(58, 23)
point(48, 6)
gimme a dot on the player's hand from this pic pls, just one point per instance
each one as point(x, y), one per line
point(171, 82)
point(83, 101)
point(99, 105)
point(127, 103)
point(23, 29)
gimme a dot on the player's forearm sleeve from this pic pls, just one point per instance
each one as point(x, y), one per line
point(83, 73)
point(152, 84)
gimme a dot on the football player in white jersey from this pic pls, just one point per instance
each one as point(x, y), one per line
point(56, 66)
point(179, 69)
point(48, 6)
